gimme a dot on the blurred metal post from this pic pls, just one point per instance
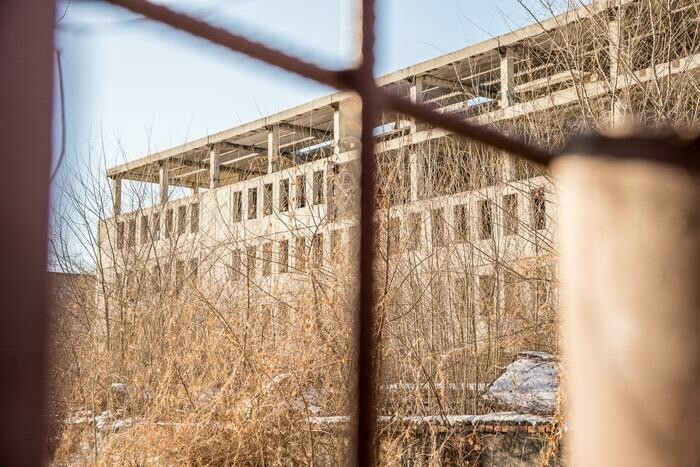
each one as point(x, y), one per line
point(26, 89)
point(630, 275)
point(365, 435)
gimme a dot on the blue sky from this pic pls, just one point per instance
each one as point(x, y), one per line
point(139, 87)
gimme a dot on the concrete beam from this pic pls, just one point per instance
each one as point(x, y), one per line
point(228, 145)
point(306, 130)
point(450, 85)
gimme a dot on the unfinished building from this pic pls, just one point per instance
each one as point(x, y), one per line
point(271, 204)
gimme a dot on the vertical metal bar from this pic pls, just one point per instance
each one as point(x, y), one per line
point(630, 260)
point(26, 89)
point(366, 412)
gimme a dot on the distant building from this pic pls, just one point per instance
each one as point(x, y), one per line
point(273, 197)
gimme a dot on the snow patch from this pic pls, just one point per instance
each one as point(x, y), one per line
point(528, 385)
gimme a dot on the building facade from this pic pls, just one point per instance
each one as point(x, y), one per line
point(273, 201)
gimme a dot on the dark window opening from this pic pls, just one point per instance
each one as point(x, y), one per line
point(511, 292)
point(179, 273)
point(301, 191)
point(252, 203)
point(120, 235)
point(414, 230)
point(317, 250)
point(155, 233)
point(181, 220)
point(284, 256)
point(539, 209)
point(394, 235)
point(461, 221)
point(144, 230)
point(485, 219)
point(487, 293)
point(267, 259)
point(267, 199)
point(319, 193)
point(194, 269)
point(194, 218)
point(300, 253)
point(235, 265)
point(510, 214)
point(237, 212)
point(168, 223)
point(437, 221)
point(250, 261)
point(284, 196)
point(131, 233)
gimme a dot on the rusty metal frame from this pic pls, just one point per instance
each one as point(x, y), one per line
point(361, 81)
point(26, 89)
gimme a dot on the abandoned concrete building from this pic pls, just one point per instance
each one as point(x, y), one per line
point(267, 200)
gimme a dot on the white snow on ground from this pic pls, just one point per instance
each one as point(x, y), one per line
point(401, 387)
point(448, 420)
point(104, 422)
point(529, 384)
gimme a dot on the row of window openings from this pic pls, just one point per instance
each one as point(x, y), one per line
point(486, 213)
point(149, 226)
point(512, 288)
point(183, 270)
point(244, 262)
point(241, 262)
point(301, 200)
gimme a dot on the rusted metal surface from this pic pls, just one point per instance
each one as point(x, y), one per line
point(458, 126)
point(366, 411)
point(26, 86)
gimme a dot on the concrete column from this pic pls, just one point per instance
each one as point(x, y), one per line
point(116, 196)
point(347, 126)
point(509, 163)
point(614, 47)
point(507, 70)
point(630, 267)
point(618, 108)
point(273, 149)
point(336, 132)
point(415, 165)
point(417, 97)
point(214, 165)
point(164, 182)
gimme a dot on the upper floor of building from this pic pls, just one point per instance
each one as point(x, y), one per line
point(296, 159)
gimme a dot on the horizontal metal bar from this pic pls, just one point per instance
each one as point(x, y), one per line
point(461, 127)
